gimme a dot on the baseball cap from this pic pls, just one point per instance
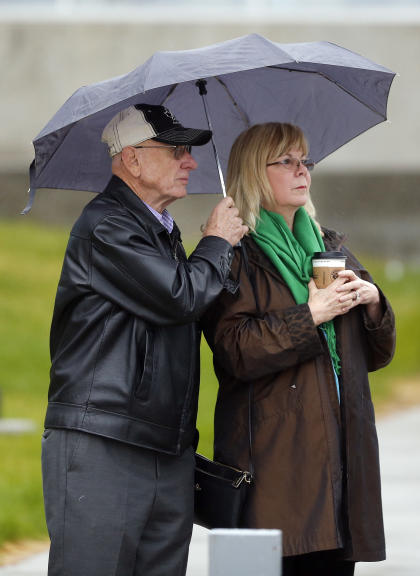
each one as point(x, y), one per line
point(141, 122)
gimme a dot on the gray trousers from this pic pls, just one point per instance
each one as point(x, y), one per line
point(113, 509)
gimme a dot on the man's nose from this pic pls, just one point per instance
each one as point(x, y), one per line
point(188, 161)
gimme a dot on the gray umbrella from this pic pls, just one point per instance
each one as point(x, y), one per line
point(332, 93)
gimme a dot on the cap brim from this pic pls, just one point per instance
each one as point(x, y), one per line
point(184, 136)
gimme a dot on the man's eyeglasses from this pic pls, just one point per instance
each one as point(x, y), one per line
point(294, 163)
point(178, 151)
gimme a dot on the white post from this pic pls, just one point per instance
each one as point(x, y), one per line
point(243, 552)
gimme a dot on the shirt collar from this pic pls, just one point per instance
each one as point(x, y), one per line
point(164, 218)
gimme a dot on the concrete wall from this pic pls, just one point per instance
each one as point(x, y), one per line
point(44, 58)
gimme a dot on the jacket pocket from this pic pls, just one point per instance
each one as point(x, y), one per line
point(145, 377)
point(73, 440)
point(46, 433)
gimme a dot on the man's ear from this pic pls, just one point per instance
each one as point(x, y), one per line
point(130, 161)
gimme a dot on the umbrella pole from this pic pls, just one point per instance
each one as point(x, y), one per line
point(201, 84)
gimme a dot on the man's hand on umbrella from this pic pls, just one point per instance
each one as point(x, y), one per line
point(225, 222)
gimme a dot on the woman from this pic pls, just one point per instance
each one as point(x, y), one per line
point(302, 355)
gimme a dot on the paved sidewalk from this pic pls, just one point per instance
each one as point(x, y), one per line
point(399, 440)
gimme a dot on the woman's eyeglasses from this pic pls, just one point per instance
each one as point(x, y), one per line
point(293, 163)
point(178, 151)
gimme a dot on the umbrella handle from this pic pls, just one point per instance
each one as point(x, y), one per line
point(32, 189)
point(201, 85)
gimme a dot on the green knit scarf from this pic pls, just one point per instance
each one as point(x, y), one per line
point(291, 254)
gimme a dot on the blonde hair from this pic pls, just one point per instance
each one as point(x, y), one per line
point(247, 182)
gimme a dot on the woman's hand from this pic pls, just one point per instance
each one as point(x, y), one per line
point(327, 303)
point(361, 292)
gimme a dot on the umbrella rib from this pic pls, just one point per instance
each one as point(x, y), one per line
point(241, 112)
point(169, 94)
point(334, 82)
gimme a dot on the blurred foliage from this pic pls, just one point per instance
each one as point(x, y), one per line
point(30, 265)
point(400, 282)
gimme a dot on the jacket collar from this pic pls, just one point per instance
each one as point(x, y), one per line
point(124, 195)
point(333, 240)
point(256, 255)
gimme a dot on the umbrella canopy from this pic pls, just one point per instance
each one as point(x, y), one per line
point(333, 94)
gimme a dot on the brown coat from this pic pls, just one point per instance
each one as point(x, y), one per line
point(316, 461)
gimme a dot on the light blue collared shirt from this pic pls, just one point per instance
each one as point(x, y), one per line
point(164, 218)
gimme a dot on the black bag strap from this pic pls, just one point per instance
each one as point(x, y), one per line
point(251, 460)
point(250, 274)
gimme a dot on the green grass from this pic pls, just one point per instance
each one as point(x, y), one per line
point(30, 258)
point(402, 292)
point(30, 264)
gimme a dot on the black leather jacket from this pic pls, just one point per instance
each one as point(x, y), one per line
point(124, 336)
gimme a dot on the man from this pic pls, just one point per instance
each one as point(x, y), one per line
point(118, 457)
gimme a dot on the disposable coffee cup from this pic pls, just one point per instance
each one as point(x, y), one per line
point(326, 266)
